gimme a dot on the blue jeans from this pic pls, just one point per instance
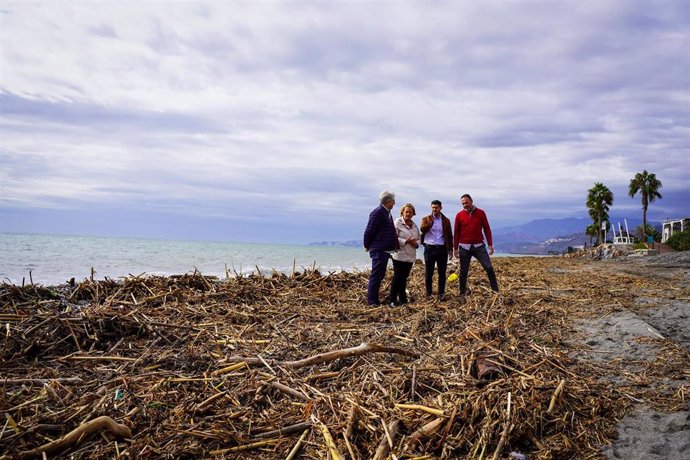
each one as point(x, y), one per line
point(479, 253)
point(379, 263)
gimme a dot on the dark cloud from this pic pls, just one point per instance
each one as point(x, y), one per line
point(102, 116)
point(265, 118)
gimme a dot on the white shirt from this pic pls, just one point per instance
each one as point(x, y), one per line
point(407, 252)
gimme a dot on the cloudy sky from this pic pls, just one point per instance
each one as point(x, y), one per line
point(282, 121)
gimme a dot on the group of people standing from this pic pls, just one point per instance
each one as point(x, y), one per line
point(386, 238)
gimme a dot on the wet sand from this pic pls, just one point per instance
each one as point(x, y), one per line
point(636, 338)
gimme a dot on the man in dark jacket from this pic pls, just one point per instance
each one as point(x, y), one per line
point(380, 239)
point(437, 239)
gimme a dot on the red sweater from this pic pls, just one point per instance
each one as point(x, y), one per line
point(468, 228)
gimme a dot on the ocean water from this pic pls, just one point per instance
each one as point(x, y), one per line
point(54, 259)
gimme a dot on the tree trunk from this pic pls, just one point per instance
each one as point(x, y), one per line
point(599, 230)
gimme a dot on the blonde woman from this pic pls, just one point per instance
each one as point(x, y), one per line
point(404, 259)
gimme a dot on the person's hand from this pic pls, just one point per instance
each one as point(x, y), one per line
point(455, 252)
point(491, 250)
point(366, 249)
point(412, 242)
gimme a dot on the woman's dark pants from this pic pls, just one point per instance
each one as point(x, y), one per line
point(401, 272)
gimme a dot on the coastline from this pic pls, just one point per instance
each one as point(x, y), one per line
point(51, 260)
point(151, 353)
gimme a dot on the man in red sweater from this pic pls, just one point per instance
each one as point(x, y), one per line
point(469, 241)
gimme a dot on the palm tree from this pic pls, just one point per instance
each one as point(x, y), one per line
point(599, 200)
point(651, 231)
point(592, 232)
point(648, 187)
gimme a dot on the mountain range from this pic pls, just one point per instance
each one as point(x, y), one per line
point(540, 236)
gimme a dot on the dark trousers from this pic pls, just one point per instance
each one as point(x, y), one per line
point(379, 262)
point(482, 256)
point(435, 255)
point(401, 272)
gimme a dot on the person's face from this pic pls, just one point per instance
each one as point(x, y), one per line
point(466, 203)
point(435, 209)
point(389, 204)
point(407, 213)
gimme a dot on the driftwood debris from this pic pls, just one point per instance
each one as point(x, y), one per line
point(102, 423)
point(386, 443)
point(331, 356)
point(298, 366)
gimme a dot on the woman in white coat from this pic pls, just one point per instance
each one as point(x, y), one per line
point(404, 259)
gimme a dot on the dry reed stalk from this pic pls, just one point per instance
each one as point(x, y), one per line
point(180, 391)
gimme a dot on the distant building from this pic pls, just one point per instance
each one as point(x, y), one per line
point(670, 227)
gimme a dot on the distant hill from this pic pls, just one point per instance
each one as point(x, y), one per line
point(540, 230)
point(556, 245)
point(338, 244)
point(539, 236)
point(550, 236)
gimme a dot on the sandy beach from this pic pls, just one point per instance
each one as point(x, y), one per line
point(633, 341)
point(575, 358)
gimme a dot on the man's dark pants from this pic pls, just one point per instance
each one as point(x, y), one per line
point(435, 255)
point(379, 262)
point(482, 256)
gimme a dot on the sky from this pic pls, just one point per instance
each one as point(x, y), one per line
point(282, 122)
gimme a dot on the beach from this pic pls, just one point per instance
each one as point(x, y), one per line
point(574, 358)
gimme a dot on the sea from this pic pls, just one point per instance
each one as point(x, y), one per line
point(55, 259)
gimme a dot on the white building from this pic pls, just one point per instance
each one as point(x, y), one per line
point(670, 227)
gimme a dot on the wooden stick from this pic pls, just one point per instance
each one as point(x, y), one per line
point(332, 448)
point(534, 440)
point(207, 402)
point(332, 356)
point(413, 384)
point(284, 430)
point(386, 444)
point(287, 390)
point(78, 434)
point(555, 396)
point(322, 376)
point(506, 429)
point(99, 358)
point(225, 370)
point(351, 420)
point(253, 445)
point(349, 446)
point(42, 381)
point(297, 446)
point(430, 410)
point(449, 425)
point(425, 431)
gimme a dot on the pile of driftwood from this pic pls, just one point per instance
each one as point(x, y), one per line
point(278, 366)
